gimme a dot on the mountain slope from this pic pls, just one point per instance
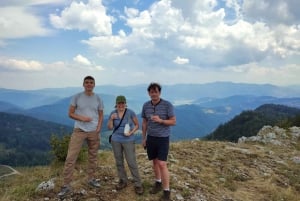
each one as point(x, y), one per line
point(194, 121)
point(249, 122)
point(199, 170)
point(25, 140)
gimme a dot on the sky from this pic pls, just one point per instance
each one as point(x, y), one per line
point(56, 43)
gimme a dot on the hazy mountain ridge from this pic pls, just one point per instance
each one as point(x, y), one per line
point(216, 102)
point(194, 120)
point(199, 118)
point(212, 111)
point(174, 93)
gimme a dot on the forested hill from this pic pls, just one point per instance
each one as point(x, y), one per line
point(24, 140)
point(249, 122)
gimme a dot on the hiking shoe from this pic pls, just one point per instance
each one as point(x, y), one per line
point(156, 188)
point(94, 183)
point(122, 184)
point(139, 190)
point(166, 196)
point(65, 190)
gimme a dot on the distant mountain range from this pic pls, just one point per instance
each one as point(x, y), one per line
point(200, 108)
point(179, 94)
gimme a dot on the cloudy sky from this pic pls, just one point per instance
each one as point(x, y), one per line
point(55, 43)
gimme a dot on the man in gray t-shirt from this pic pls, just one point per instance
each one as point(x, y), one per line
point(86, 109)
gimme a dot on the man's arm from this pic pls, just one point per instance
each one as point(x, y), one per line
point(169, 122)
point(144, 131)
point(100, 120)
point(78, 117)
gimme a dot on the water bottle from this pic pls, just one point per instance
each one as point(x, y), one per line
point(126, 129)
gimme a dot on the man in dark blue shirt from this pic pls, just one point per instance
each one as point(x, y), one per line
point(158, 115)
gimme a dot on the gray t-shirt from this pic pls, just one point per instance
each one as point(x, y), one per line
point(87, 106)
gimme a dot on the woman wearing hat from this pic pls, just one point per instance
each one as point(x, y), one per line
point(123, 143)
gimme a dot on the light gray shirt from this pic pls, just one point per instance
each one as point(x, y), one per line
point(87, 106)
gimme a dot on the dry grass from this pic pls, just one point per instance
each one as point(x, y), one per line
point(212, 171)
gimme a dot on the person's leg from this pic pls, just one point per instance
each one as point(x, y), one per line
point(156, 169)
point(130, 156)
point(152, 152)
point(165, 178)
point(93, 142)
point(75, 144)
point(119, 159)
point(162, 157)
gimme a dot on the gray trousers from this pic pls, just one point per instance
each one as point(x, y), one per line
point(127, 149)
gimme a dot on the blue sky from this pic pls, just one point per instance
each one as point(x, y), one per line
point(55, 43)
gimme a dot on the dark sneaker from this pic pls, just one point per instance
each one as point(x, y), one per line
point(166, 196)
point(156, 188)
point(121, 185)
point(139, 190)
point(94, 183)
point(65, 190)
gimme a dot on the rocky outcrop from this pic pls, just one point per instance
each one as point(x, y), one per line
point(274, 135)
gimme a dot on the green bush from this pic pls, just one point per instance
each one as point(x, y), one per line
point(289, 122)
point(60, 148)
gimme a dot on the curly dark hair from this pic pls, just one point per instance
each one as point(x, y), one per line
point(154, 86)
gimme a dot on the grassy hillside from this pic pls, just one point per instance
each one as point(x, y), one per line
point(200, 170)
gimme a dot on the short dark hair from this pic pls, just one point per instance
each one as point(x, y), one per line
point(154, 86)
point(88, 78)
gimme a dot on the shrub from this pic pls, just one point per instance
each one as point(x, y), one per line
point(60, 148)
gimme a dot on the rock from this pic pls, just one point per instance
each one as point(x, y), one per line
point(46, 185)
point(273, 135)
point(296, 159)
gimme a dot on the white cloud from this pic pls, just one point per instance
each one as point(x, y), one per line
point(29, 2)
point(257, 73)
point(99, 68)
point(12, 23)
point(199, 30)
point(90, 17)
point(223, 40)
point(273, 12)
point(32, 74)
point(180, 60)
point(108, 45)
point(82, 60)
point(23, 65)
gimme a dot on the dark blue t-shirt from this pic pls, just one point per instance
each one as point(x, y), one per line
point(165, 110)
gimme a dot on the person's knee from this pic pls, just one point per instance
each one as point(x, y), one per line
point(162, 164)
